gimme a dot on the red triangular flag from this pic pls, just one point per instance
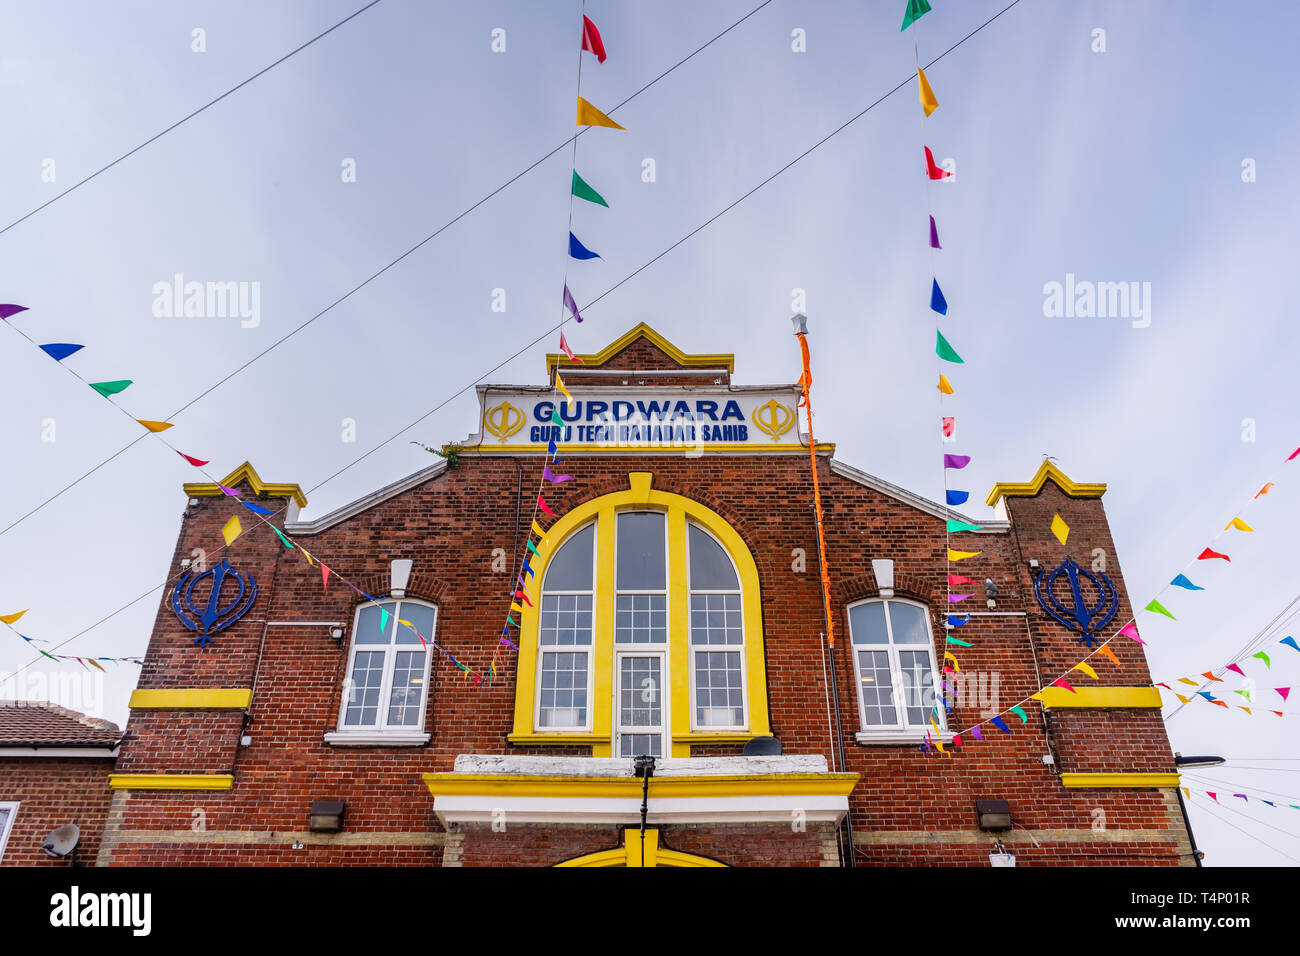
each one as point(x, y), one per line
point(324, 575)
point(1207, 554)
point(541, 503)
point(956, 579)
point(564, 347)
point(1062, 682)
point(1293, 454)
point(197, 463)
point(591, 41)
point(1212, 795)
point(931, 170)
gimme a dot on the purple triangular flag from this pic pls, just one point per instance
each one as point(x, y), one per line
point(956, 461)
point(975, 732)
point(568, 301)
point(8, 310)
point(552, 477)
point(934, 235)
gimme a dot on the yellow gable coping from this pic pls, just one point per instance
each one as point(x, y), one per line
point(643, 331)
point(246, 472)
point(1029, 489)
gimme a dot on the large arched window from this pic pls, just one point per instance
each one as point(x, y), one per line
point(893, 661)
point(646, 631)
point(386, 690)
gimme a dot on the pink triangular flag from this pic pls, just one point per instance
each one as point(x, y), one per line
point(1130, 630)
point(1234, 667)
point(1284, 691)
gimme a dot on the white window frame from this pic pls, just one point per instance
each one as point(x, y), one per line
point(900, 732)
point(587, 649)
point(665, 592)
point(380, 733)
point(692, 647)
point(665, 704)
point(8, 828)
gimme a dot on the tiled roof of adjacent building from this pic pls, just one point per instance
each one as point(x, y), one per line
point(36, 723)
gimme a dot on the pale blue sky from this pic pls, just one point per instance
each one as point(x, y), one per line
point(1115, 166)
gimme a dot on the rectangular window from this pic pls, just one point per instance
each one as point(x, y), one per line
point(641, 578)
point(388, 673)
point(564, 689)
point(7, 813)
point(719, 690)
point(640, 705)
point(894, 662)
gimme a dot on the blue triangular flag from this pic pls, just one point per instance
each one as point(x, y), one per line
point(578, 251)
point(1206, 694)
point(1270, 803)
point(955, 621)
point(551, 448)
point(60, 350)
point(256, 509)
point(1182, 582)
point(957, 497)
point(937, 301)
point(1000, 724)
point(1290, 642)
point(528, 568)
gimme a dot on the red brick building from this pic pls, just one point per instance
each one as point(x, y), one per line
point(674, 609)
point(54, 770)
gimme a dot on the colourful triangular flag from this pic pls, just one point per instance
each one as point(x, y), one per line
point(1262, 491)
point(283, 540)
point(154, 426)
point(232, 530)
point(956, 598)
point(956, 579)
point(60, 350)
point(1207, 554)
point(568, 352)
point(588, 115)
point(11, 618)
point(1087, 669)
point(256, 509)
point(8, 310)
point(944, 385)
point(552, 477)
point(1000, 724)
point(1283, 691)
point(569, 303)
point(324, 575)
point(961, 555)
point(915, 10)
point(1130, 630)
point(110, 388)
point(937, 302)
point(952, 640)
point(229, 492)
point(934, 235)
point(541, 503)
point(1289, 641)
point(1103, 649)
point(955, 497)
point(1158, 608)
point(578, 251)
point(931, 170)
point(1182, 582)
point(196, 462)
point(1238, 524)
point(975, 732)
point(956, 461)
point(946, 351)
point(1234, 667)
point(559, 383)
point(584, 191)
point(1019, 712)
point(591, 42)
point(928, 101)
point(1062, 682)
point(1264, 657)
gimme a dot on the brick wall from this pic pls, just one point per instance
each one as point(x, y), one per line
point(51, 793)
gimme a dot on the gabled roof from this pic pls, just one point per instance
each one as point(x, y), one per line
point(39, 723)
point(248, 473)
point(1029, 489)
point(642, 331)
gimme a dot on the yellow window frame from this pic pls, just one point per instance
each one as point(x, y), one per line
point(678, 510)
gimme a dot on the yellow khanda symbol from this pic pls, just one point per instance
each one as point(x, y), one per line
point(503, 420)
point(774, 418)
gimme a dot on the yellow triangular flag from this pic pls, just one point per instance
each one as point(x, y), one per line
point(961, 555)
point(154, 426)
point(1186, 791)
point(1060, 528)
point(1087, 669)
point(538, 529)
point(1246, 709)
point(11, 618)
point(937, 741)
point(944, 385)
point(1238, 524)
point(588, 115)
point(306, 555)
point(949, 656)
point(232, 530)
point(515, 606)
point(559, 383)
point(1185, 700)
point(928, 102)
point(1188, 680)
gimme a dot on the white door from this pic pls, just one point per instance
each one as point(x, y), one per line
point(640, 705)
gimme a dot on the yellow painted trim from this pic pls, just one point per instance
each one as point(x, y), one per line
point(630, 854)
point(708, 739)
point(1029, 489)
point(603, 510)
point(1100, 697)
point(704, 785)
point(170, 781)
point(823, 448)
point(246, 472)
point(643, 331)
point(1131, 781)
point(192, 698)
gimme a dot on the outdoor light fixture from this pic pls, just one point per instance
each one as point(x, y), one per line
point(994, 815)
point(991, 592)
point(326, 816)
point(883, 569)
point(1194, 762)
point(1000, 856)
point(398, 575)
point(800, 322)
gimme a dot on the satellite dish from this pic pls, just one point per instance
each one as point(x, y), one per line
point(762, 747)
point(62, 841)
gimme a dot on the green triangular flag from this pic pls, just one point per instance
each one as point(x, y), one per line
point(962, 526)
point(50, 656)
point(953, 640)
point(512, 620)
point(946, 351)
point(915, 10)
point(383, 620)
point(110, 388)
point(282, 538)
point(555, 417)
point(1264, 657)
point(1159, 609)
point(583, 191)
point(533, 549)
point(1020, 712)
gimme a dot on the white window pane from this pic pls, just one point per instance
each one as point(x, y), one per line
point(716, 619)
point(565, 620)
point(564, 689)
point(368, 629)
point(641, 618)
point(570, 568)
point(908, 622)
point(407, 693)
point(918, 687)
point(867, 623)
point(420, 615)
point(719, 694)
point(363, 689)
point(640, 745)
point(711, 569)
point(640, 698)
point(642, 564)
point(877, 689)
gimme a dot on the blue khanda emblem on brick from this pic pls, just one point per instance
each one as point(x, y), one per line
point(1085, 601)
point(215, 616)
